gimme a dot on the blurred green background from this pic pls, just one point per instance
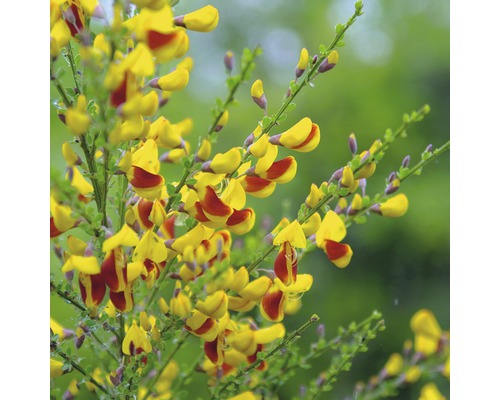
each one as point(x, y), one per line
point(395, 60)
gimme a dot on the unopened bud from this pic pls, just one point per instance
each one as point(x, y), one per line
point(315, 59)
point(362, 186)
point(328, 63)
point(79, 341)
point(393, 186)
point(353, 144)
point(406, 162)
point(229, 61)
point(391, 177)
point(428, 148)
point(337, 175)
point(320, 331)
point(144, 320)
point(321, 380)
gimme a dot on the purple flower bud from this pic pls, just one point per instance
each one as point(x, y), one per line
point(229, 61)
point(69, 275)
point(315, 59)
point(406, 162)
point(249, 140)
point(376, 208)
point(337, 175)
point(321, 380)
point(366, 156)
point(62, 117)
point(79, 341)
point(429, 148)
point(391, 188)
point(320, 331)
point(154, 83)
point(392, 176)
point(362, 186)
point(353, 144)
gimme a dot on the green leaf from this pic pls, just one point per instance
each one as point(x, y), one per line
point(339, 28)
point(290, 107)
point(322, 49)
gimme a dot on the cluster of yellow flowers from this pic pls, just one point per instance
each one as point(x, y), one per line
point(180, 230)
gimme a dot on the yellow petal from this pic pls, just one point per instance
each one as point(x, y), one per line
point(332, 228)
point(396, 206)
point(293, 234)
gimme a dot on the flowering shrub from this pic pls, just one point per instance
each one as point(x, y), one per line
point(148, 257)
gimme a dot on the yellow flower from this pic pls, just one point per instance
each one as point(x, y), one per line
point(430, 392)
point(77, 119)
point(303, 62)
point(204, 19)
point(257, 93)
point(394, 365)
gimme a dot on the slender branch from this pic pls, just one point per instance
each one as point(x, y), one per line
point(180, 343)
point(72, 63)
point(66, 297)
point(216, 393)
point(159, 282)
point(422, 163)
point(82, 371)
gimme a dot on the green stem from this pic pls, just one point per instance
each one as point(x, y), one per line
point(82, 371)
point(103, 345)
point(332, 374)
point(72, 64)
point(66, 297)
point(159, 282)
point(216, 393)
point(422, 163)
point(180, 343)
point(104, 220)
point(232, 92)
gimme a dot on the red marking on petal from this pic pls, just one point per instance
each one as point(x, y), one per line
point(77, 26)
point(143, 179)
point(157, 39)
point(252, 358)
point(122, 301)
point(54, 232)
point(110, 272)
point(279, 168)
point(97, 290)
point(335, 250)
point(285, 265)
point(272, 303)
point(169, 226)
point(213, 205)
point(237, 217)
point(211, 351)
point(119, 95)
point(200, 215)
point(253, 184)
point(312, 134)
point(144, 208)
point(207, 325)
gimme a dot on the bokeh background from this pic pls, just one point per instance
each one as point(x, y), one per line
point(395, 60)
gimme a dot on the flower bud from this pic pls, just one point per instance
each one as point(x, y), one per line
point(144, 320)
point(302, 64)
point(329, 62)
point(406, 162)
point(204, 19)
point(70, 156)
point(164, 308)
point(320, 331)
point(257, 92)
point(353, 144)
point(222, 121)
point(229, 61)
point(393, 186)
